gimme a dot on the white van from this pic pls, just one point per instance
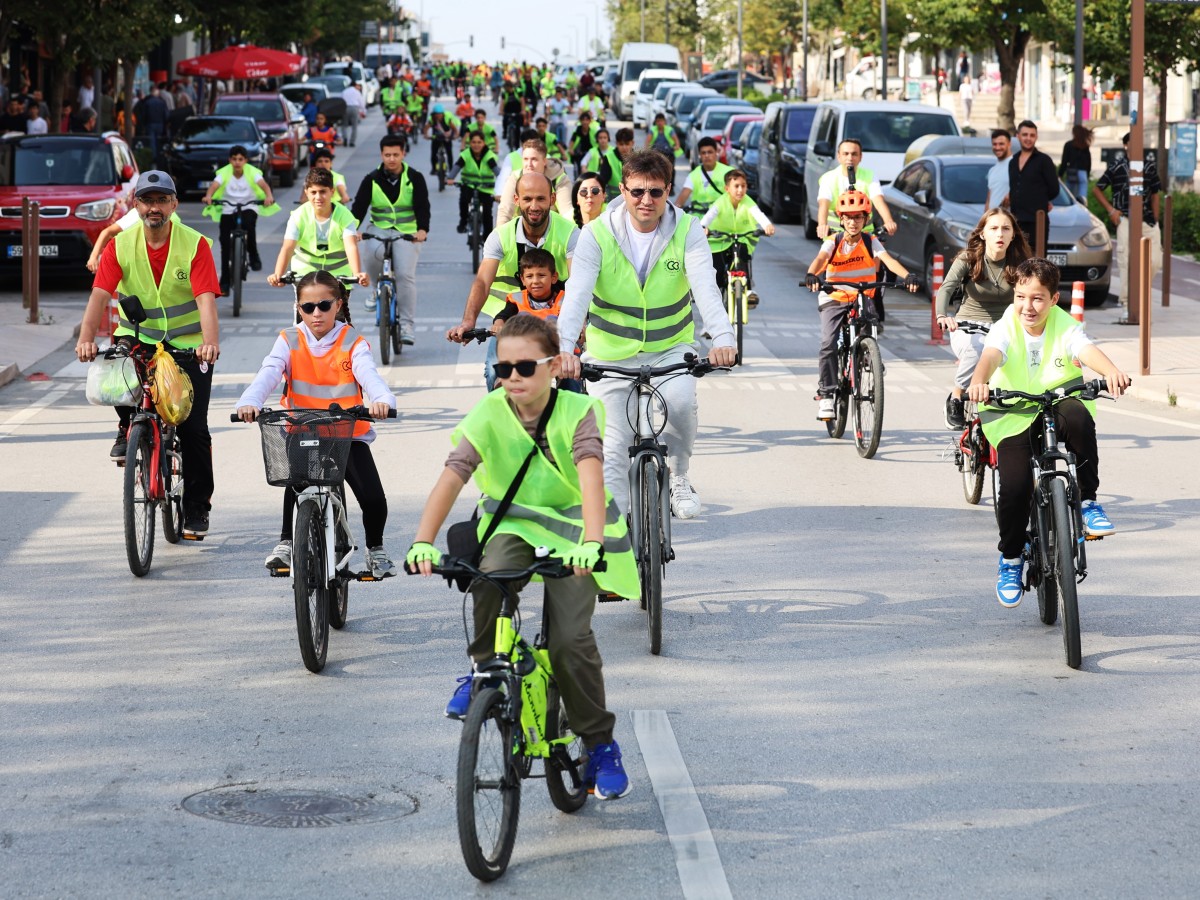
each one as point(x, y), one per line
point(636, 57)
point(647, 84)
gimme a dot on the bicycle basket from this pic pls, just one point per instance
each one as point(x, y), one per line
point(113, 380)
point(305, 446)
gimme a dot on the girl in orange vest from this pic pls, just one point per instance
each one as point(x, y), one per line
point(323, 133)
point(321, 361)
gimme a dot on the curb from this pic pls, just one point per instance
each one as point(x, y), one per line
point(8, 372)
point(1157, 395)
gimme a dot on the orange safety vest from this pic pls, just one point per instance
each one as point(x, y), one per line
point(856, 266)
point(326, 135)
point(521, 301)
point(315, 382)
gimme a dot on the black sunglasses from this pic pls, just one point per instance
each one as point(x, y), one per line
point(309, 308)
point(590, 192)
point(525, 367)
point(639, 193)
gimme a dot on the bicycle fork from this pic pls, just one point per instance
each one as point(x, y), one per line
point(650, 448)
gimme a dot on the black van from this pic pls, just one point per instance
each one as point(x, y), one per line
point(782, 148)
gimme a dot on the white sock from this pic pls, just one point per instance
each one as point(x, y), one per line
point(1011, 562)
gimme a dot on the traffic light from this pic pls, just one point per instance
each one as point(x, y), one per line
point(471, 40)
point(501, 43)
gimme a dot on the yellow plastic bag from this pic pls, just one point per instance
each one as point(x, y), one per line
point(173, 393)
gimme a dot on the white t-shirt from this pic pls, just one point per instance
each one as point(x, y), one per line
point(640, 243)
point(237, 190)
point(825, 185)
point(997, 339)
point(292, 231)
point(37, 126)
point(997, 180)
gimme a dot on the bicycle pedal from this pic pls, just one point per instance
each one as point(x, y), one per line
point(192, 536)
point(604, 597)
point(280, 572)
point(1094, 537)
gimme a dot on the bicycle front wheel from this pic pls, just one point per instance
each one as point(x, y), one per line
point(310, 584)
point(476, 236)
point(172, 508)
point(339, 589)
point(1064, 571)
point(441, 169)
point(139, 508)
point(383, 297)
point(737, 292)
point(563, 792)
point(868, 397)
point(487, 795)
point(841, 402)
point(974, 467)
point(650, 556)
point(1041, 565)
point(237, 273)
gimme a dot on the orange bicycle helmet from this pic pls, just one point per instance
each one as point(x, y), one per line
point(852, 203)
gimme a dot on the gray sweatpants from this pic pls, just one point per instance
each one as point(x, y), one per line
point(832, 317)
point(405, 255)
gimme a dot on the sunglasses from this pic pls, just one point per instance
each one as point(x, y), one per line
point(309, 308)
point(525, 368)
point(639, 193)
point(590, 192)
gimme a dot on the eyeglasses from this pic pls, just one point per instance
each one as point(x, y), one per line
point(590, 192)
point(639, 193)
point(525, 367)
point(309, 308)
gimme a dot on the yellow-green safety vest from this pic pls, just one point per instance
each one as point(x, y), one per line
point(252, 175)
point(548, 508)
point(733, 220)
point(488, 131)
point(704, 194)
point(660, 141)
point(478, 174)
point(307, 257)
point(553, 147)
point(390, 97)
point(399, 216)
point(626, 318)
point(833, 179)
point(507, 280)
point(1058, 369)
point(172, 313)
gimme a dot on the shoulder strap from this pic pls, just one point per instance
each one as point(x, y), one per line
point(704, 172)
point(520, 476)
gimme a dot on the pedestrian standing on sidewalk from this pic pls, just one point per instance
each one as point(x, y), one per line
point(997, 177)
point(1116, 179)
point(1032, 183)
point(966, 96)
point(1076, 162)
point(356, 109)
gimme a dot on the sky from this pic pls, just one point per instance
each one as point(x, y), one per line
point(540, 27)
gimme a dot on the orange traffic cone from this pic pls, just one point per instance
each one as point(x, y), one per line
point(1077, 294)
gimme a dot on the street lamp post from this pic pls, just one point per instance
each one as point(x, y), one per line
point(739, 56)
point(643, 20)
point(884, 61)
point(804, 68)
point(1078, 62)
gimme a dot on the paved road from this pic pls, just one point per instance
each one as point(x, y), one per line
point(857, 714)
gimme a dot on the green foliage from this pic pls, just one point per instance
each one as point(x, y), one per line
point(1185, 222)
point(754, 96)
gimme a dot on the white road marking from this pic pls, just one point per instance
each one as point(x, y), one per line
point(16, 420)
point(1148, 418)
point(701, 874)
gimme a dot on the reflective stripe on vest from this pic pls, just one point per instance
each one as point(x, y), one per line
point(172, 313)
point(477, 174)
point(547, 510)
point(307, 257)
point(733, 220)
point(508, 280)
point(399, 216)
point(1057, 369)
point(627, 318)
point(521, 302)
point(316, 382)
point(855, 265)
point(704, 194)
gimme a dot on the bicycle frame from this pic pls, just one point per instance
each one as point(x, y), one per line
point(1045, 470)
point(333, 514)
point(646, 444)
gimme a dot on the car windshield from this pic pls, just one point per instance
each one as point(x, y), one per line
point(886, 132)
point(52, 161)
point(739, 129)
point(347, 69)
point(650, 84)
point(753, 136)
point(336, 83)
point(663, 89)
point(688, 103)
point(967, 183)
point(259, 110)
point(716, 119)
point(218, 131)
point(799, 124)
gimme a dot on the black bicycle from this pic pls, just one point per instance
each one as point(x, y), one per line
point(860, 371)
point(475, 234)
point(391, 340)
point(1055, 553)
point(239, 254)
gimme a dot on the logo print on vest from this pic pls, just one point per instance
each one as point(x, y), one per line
point(181, 275)
point(672, 265)
point(347, 365)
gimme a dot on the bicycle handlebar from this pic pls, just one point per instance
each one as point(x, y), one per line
point(691, 364)
point(477, 334)
point(1089, 390)
point(548, 567)
point(124, 349)
point(974, 327)
point(237, 206)
point(388, 239)
point(737, 236)
point(350, 412)
point(290, 277)
point(829, 286)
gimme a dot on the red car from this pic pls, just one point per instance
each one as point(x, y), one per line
point(83, 183)
point(280, 121)
point(733, 129)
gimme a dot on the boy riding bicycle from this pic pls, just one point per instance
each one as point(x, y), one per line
point(562, 505)
point(1036, 347)
point(735, 213)
point(847, 257)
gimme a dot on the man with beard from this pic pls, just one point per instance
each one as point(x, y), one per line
point(170, 268)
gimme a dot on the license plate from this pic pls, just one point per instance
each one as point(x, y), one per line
point(204, 184)
point(43, 250)
point(1059, 259)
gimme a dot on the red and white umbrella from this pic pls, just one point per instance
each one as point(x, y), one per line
point(244, 61)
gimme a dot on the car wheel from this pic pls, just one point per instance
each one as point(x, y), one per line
point(927, 274)
point(1095, 298)
point(287, 177)
point(869, 94)
point(806, 219)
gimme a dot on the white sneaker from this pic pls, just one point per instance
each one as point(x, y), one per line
point(685, 502)
point(827, 409)
point(281, 556)
point(370, 303)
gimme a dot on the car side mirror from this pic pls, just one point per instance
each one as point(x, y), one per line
point(921, 198)
point(131, 308)
point(126, 172)
point(823, 148)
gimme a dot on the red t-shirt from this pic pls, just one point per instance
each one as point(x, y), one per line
point(203, 269)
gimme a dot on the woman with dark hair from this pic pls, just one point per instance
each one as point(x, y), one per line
point(1077, 161)
point(983, 276)
point(587, 198)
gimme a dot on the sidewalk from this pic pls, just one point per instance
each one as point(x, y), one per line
point(23, 345)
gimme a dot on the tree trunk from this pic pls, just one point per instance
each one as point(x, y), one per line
point(1010, 50)
point(1162, 125)
point(128, 65)
point(58, 90)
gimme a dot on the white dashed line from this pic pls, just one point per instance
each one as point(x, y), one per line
point(16, 420)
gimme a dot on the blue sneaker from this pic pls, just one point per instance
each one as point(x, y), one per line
point(605, 775)
point(457, 707)
point(1094, 520)
point(1008, 582)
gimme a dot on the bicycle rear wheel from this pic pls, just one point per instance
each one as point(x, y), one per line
point(172, 508)
point(310, 584)
point(139, 508)
point(441, 168)
point(476, 231)
point(1064, 571)
point(487, 794)
point(237, 272)
point(837, 425)
point(974, 467)
point(737, 291)
point(650, 556)
point(383, 297)
point(339, 589)
point(563, 793)
point(868, 397)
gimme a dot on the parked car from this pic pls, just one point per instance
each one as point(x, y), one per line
point(937, 201)
point(948, 145)
point(735, 127)
point(636, 57)
point(295, 92)
point(783, 143)
point(697, 112)
point(202, 146)
point(680, 118)
point(724, 79)
point(367, 82)
point(643, 96)
point(82, 182)
point(744, 153)
point(282, 124)
point(334, 82)
point(710, 122)
point(658, 103)
point(885, 129)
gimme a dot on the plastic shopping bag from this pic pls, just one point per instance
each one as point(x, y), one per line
point(173, 393)
point(112, 380)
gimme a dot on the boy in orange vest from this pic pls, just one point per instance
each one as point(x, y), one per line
point(846, 258)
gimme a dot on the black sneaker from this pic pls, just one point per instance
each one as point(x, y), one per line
point(120, 445)
point(255, 264)
point(195, 521)
point(955, 417)
point(462, 228)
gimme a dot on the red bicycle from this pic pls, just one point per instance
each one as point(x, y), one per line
point(973, 454)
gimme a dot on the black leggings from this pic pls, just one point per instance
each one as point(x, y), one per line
point(1076, 429)
point(250, 224)
point(721, 261)
point(485, 202)
point(363, 478)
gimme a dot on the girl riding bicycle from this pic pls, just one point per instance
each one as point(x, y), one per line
point(562, 504)
point(1036, 347)
point(323, 360)
point(983, 274)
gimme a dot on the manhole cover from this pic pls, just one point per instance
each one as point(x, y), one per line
point(248, 804)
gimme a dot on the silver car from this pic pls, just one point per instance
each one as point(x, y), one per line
point(937, 201)
point(711, 123)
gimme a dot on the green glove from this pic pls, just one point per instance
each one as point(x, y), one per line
point(421, 552)
point(585, 555)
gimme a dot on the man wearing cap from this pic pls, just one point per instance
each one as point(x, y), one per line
point(1116, 179)
point(170, 268)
